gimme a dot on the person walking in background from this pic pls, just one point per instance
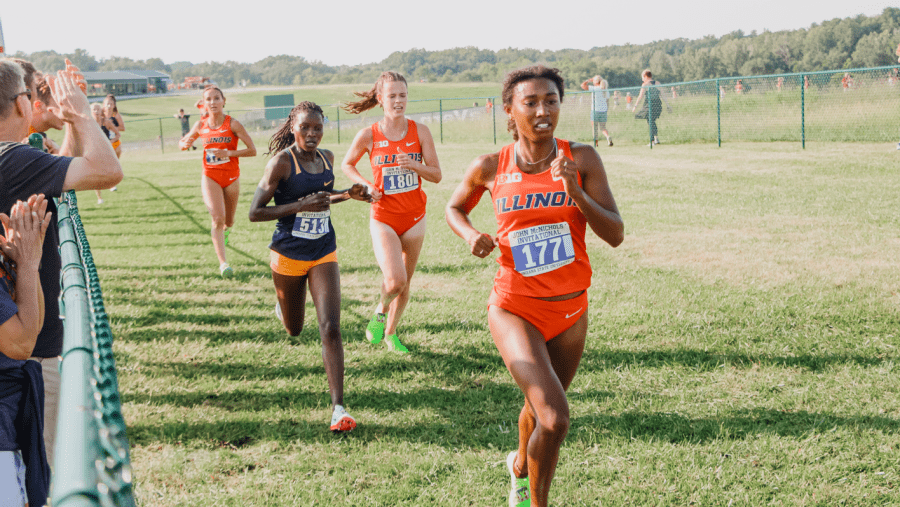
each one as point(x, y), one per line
point(538, 309)
point(739, 87)
point(220, 181)
point(628, 101)
point(599, 89)
point(651, 108)
point(402, 154)
point(300, 177)
point(616, 99)
point(24, 471)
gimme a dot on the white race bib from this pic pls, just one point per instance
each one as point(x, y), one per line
point(397, 180)
point(213, 160)
point(542, 248)
point(311, 224)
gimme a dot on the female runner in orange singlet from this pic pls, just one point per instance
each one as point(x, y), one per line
point(220, 181)
point(545, 192)
point(402, 154)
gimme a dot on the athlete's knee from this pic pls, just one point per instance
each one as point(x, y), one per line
point(555, 421)
point(218, 222)
point(330, 332)
point(395, 285)
point(293, 329)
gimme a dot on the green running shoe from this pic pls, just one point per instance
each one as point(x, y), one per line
point(519, 495)
point(394, 344)
point(375, 329)
point(226, 270)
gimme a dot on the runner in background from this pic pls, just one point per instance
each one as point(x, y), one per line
point(220, 181)
point(402, 154)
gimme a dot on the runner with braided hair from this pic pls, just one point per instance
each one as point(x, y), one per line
point(300, 178)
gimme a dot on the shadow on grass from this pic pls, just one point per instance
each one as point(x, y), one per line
point(474, 419)
point(200, 228)
point(708, 361)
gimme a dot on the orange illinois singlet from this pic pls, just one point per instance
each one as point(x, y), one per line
point(402, 188)
point(223, 171)
point(540, 231)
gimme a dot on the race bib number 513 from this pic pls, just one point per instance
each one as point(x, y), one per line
point(542, 248)
point(398, 180)
point(311, 224)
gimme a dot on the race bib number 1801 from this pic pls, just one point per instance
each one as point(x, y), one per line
point(398, 180)
point(541, 248)
point(311, 224)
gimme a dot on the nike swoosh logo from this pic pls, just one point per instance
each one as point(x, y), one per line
point(418, 217)
point(410, 144)
point(568, 316)
point(328, 182)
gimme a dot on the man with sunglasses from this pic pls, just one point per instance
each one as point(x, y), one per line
point(25, 171)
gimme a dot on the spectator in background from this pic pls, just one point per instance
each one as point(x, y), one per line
point(847, 81)
point(652, 105)
point(599, 89)
point(628, 99)
point(616, 99)
point(24, 472)
point(185, 120)
point(739, 87)
point(897, 52)
point(779, 84)
point(25, 171)
point(674, 93)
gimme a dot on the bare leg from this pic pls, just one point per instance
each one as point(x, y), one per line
point(325, 288)
point(543, 371)
point(291, 294)
point(397, 257)
point(222, 205)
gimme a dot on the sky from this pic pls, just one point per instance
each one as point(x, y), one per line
point(350, 32)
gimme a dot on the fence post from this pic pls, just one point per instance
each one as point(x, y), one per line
point(161, 142)
point(441, 112)
point(494, 114)
point(719, 111)
point(803, 111)
point(338, 108)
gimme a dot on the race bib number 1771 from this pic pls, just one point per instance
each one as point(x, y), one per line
point(542, 248)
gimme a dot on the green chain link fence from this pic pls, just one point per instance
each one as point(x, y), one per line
point(92, 464)
point(800, 107)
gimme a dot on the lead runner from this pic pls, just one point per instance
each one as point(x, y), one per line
point(545, 192)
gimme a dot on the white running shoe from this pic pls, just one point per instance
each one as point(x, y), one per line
point(341, 421)
point(226, 270)
point(519, 495)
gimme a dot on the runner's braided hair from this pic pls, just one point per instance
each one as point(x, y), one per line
point(284, 137)
point(370, 98)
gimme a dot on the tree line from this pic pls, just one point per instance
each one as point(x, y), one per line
point(854, 42)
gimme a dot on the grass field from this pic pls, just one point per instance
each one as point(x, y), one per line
point(741, 347)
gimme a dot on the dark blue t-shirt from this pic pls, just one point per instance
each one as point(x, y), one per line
point(25, 171)
point(9, 405)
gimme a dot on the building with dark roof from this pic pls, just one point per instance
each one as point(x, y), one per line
point(126, 82)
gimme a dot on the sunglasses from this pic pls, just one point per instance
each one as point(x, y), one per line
point(26, 93)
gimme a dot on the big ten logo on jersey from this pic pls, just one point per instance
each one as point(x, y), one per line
point(382, 144)
point(509, 178)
